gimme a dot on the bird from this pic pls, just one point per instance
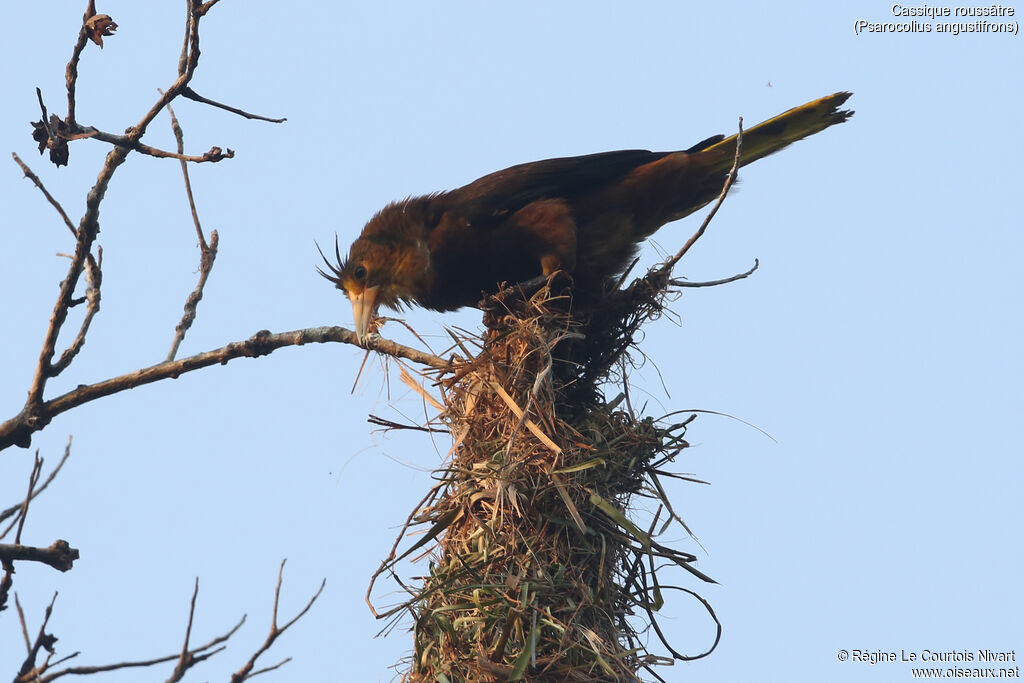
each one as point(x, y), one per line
point(585, 215)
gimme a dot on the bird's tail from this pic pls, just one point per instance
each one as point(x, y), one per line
point(786, 128)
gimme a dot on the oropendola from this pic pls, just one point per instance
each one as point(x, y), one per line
point(585, 215)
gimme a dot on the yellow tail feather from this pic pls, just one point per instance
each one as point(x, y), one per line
point(786, 128)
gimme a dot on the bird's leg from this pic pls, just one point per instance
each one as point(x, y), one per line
point(553, 280)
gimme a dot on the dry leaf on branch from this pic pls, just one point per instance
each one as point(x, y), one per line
point(49, 135)
point(100, 25)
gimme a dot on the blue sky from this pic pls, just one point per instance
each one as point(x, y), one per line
point(879, 343)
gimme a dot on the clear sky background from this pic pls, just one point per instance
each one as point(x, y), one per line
point(879, 343)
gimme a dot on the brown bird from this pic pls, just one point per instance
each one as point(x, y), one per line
point(585, 215)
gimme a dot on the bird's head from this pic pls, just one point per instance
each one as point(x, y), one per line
point(378, 271)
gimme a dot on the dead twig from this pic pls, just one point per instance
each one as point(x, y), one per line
point(247, 672)
point(71, 71)
point(31, 672)
point(676, 282)
point(33, 479)
point(193, 95)
point(39, 489)
point(214, 155)
point(39, 184)
point(93, 276)
point(208, 251)
point(190, 657)
point(43, 640)
point(729, 181)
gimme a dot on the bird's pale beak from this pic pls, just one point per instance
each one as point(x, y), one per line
point(363, 308)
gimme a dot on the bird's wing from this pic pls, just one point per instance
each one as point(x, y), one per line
point(495, 196)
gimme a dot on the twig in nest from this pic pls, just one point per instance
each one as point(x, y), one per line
point(389, 425)
point(676, 282)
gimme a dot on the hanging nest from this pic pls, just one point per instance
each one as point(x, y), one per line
point(538, 568)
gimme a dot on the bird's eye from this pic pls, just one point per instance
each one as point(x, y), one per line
point(360, 272)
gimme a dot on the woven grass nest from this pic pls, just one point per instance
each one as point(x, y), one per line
point(535, 569)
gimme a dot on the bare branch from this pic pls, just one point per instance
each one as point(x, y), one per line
point(129, 142)
point(19, 429)
point(33, 479)
point(16, 508)
point(34, 415)
point(206, 259)
point(729, 180)
point(49, 197)
point(93, 281)
point(41, 673)
point(71, 72)
point(43, 640)
point(246, 672)
point(93, 274)
point(208, 251)
point(675, 282)
point(193, 95)
point(59, 555)
point(24, 625)
point(179, 137)
point(205, 7)
point(186, 660)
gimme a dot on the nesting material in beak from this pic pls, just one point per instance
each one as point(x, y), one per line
point(363, 309)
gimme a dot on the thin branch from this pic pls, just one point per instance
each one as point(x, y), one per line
point(729, 180)
point(193, 95)
point(86, 235)
point(93, 276)
point(33, 479)
point(185, 660)
point(24, 624)
point(131, 142)
point(39, 674)
point(179, 137)
point(715, 283)
point(208, 251)
point(15, 508)
point(187, 67)
point(19, 429)
point(246, 672)
point(49, 197)
point(71, 71)
point(59, 555)
point(43, 640)
point(93, 282)
point(205, 7)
